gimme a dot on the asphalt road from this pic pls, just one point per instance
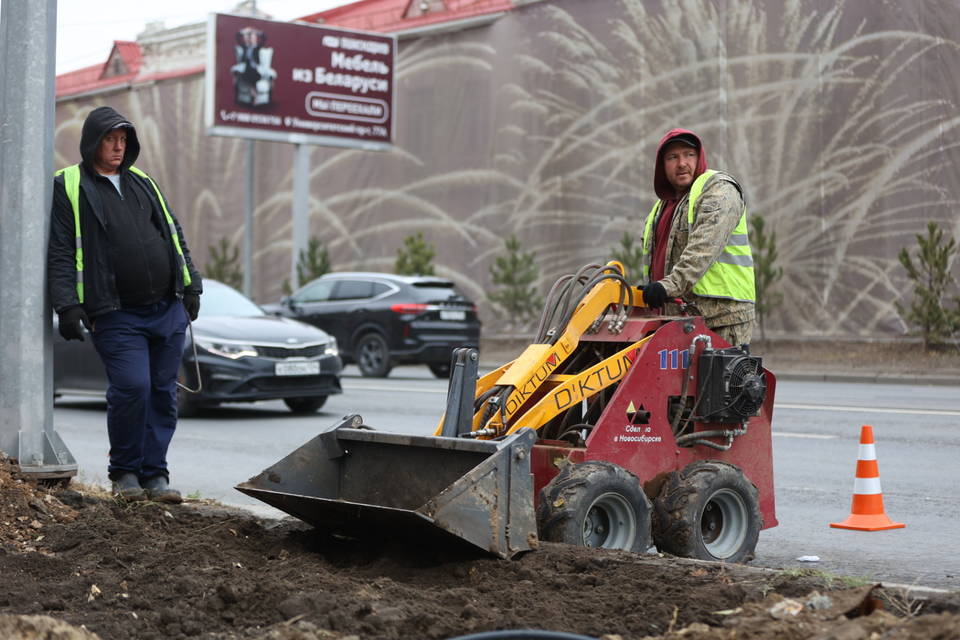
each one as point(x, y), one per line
point(816, 435)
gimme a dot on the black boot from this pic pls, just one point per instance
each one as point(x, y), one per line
point(127, 487)
point(158, 489)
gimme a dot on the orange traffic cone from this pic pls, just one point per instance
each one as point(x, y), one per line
point(866, 513)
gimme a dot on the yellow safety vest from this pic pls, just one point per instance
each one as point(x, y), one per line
point(731, 276)
point(71, 182)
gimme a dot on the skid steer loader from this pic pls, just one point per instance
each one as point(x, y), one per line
point(618, 427)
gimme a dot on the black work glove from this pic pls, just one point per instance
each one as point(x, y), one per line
point(191, 302)
point(654, 295)
point(70, 320)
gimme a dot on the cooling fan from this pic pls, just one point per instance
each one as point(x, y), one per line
point(732, 385)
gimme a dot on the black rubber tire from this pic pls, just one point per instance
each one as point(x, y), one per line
point(440, 369)
point(595, 504)
point(708, 511)
point(305, 405)
point(373, 356)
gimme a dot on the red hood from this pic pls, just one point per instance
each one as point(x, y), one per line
point(660, 184)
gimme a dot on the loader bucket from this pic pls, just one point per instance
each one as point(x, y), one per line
point(356, 481)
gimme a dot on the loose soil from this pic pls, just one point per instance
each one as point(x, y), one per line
point(78, 565)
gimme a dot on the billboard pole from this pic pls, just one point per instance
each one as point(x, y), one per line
point(301, 210)
point(303, 85)
point(248, 223)
point(27, 119)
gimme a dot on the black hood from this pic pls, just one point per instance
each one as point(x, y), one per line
point(98, 123)
point(259, 330)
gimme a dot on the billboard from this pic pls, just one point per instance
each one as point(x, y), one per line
point(299, 83)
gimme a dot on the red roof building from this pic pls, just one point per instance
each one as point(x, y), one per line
point(149, 58)
point(122, 66)
point(389, 16)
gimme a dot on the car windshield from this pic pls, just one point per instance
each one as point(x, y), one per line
point(220, 300)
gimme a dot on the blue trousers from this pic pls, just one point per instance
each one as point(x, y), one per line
point(141, 348)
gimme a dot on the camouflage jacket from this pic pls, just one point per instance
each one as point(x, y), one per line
point(691, 251)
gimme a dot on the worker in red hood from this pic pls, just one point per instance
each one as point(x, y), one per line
point(695, 243)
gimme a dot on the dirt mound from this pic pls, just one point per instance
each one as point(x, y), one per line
point(32, 627)
point(198, 570)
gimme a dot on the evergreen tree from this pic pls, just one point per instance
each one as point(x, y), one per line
point(931, 279)
point(415, 258)
point(515, 274)
point(224, 264)
point(312, 263)
point(766, 273)
point(631, 256)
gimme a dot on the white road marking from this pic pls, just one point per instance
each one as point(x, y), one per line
point(363, 387)
point(815, 436)
point(849, 409)
point(779, 405)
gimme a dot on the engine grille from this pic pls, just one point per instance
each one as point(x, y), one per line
point(289, 382)
point(294, 352)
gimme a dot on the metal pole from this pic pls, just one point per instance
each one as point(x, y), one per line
point(248, 207)
point(248, 224)
point(301, 202)
point(27, 118)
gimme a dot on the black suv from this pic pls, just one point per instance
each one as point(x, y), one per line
point(381, 319)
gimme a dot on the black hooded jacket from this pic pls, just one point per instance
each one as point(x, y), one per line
point(128, 255)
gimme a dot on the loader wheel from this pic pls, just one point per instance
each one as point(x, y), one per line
point(708, 511)
point(373, 356)
point(595, 504)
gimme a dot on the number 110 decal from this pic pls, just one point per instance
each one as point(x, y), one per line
point(674, 358)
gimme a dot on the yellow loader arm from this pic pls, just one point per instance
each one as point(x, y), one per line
point(528, 393)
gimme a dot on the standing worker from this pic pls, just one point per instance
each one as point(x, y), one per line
point(695, 244)
point(118, 265)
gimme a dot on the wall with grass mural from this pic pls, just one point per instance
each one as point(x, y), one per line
point(840, 119)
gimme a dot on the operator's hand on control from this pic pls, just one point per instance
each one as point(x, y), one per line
point(191, 302)
point(654, 295)
point(70, 323)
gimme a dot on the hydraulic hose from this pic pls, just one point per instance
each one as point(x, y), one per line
point(585, 277)
point(699, 437)
point(581, 278)
point(565, 286)
point(561, 303)
point(554, 298)
point(702, 337)
point(624, 292)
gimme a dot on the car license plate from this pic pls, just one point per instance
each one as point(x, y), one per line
point(453, 314)
point(297, 368)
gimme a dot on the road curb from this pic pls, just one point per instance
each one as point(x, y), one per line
point(875, 378)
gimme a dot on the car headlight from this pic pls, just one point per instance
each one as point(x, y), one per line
point(226, 349)
point(331, 348)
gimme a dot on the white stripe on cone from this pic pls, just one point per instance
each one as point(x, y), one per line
point(866, 486)
point(867, 452)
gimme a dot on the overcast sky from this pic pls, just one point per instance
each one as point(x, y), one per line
point(86, 29)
